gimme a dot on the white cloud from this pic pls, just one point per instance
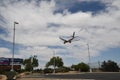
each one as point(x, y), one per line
point(5, 51)
point(101, 31)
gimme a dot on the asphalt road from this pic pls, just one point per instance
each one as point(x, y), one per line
point(91, 76)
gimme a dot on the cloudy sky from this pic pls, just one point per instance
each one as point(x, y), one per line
point(41, 22)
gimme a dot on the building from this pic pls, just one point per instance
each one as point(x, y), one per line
point(6, 64)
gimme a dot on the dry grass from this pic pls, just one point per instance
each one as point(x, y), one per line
point(3, 77)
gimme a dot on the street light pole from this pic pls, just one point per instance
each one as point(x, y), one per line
point(54, 60)
point(89, 59)
point(12, 67)
point(31, 63)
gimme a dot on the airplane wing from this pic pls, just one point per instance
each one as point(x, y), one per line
point(76, 38)
point(73, 34)
point(62, 39)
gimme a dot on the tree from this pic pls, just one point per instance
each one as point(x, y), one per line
point(63, 69)
point(48, 70)
point(30, 63)
point(81, 67)
point(75, 67)
point(55, 62)
point(110, 66)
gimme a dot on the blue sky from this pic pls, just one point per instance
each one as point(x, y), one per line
point(41, 22)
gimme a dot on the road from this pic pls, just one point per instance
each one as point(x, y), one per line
point(91, 76)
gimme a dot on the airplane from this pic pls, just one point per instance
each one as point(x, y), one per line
point(70, 40)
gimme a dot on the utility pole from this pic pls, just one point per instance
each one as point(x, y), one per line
point(31, 63)
point(54, 60)
point(89, 59)
point(12, 67)
point(99, 65)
